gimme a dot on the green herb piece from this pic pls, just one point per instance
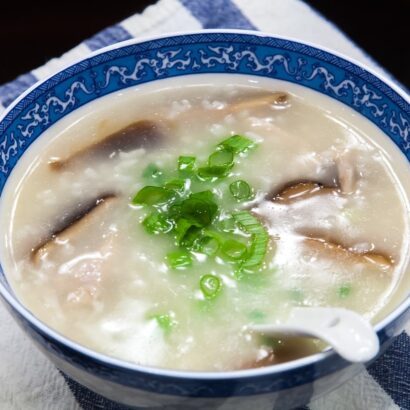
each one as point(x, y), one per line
point(182, 227)
point(241, 190)
point(208, 245)
point(259, 241)
point(152, 195)
point(210, 286)
point(174, 211)
point(237, 144)
point(179, 259)
point(186, 164)
point(345, 290)
point(190, 238)
point(234, 249)
point(227, 225)
point(219, 164)
point(257, 316)
point(164, 321)
point(199, 208)
point(152, 171)
point(221, 159)
point(206, 173)
point(178, 185)
point(156, 223)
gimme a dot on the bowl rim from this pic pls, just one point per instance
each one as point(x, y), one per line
point(18, 306)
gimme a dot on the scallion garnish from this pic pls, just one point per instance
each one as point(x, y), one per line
point(345, 290)
point(234, 249)
point(179, 185)
point(221, 159)
point(200, 208)
point(241, 190)
point(186, 164)
point(208, 245)
point(152, 195)
point(237, 144)
point(179, 259)
point(164, 321)
point(157, 223)
point(190, 215)
point(259, 239)
point(210, 286)
point(152, 171)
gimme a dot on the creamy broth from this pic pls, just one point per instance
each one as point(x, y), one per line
point(327, 190)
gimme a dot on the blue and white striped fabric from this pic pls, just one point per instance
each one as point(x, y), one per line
point(27, 379)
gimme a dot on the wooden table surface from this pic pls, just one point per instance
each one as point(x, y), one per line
point(32, 33)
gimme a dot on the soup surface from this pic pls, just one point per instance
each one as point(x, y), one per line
point(266, 196)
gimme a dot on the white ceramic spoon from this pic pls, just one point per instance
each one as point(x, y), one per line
point(350, 335)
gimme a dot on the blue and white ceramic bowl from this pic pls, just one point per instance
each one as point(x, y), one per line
point(135, 62)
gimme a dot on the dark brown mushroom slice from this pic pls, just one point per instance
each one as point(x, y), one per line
point(337, 251)
point(140, 134)
point(73, 222)
point(298, 190)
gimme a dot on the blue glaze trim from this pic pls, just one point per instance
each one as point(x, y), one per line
point(218, 14)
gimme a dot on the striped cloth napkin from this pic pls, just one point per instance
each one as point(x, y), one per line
point(27, 379)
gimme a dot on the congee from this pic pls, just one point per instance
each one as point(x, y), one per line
point(154, 225)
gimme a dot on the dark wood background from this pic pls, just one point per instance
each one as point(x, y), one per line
point(32, 33)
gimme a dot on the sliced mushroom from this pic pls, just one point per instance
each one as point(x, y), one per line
point(337, 251)
point(140, 134)
point(74, 223)
point(295, 191)
point(274, 100)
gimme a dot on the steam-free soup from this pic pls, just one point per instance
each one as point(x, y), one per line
point(155, 224)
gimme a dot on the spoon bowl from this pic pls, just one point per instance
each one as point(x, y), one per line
point(350, 335)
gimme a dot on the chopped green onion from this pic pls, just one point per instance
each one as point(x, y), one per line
point(178, 185)
point(208, 245)
point(186, 164)
point(190, 238)
point(165, 321)
point(234, 249)
point(199, 208)
point(345, 290)
point(227, 225)
point(257, 251)
point(240, 190)
point(221, 159)
point(259, 242)
point(182, 227)
point(151, 195)
point(237, 144)
point(212, 172)
point(157, 223)
point(219, 164)
point(152, 171)
point(210, 286)
point(174, 211)
point(179, 259)
point(257, 316)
